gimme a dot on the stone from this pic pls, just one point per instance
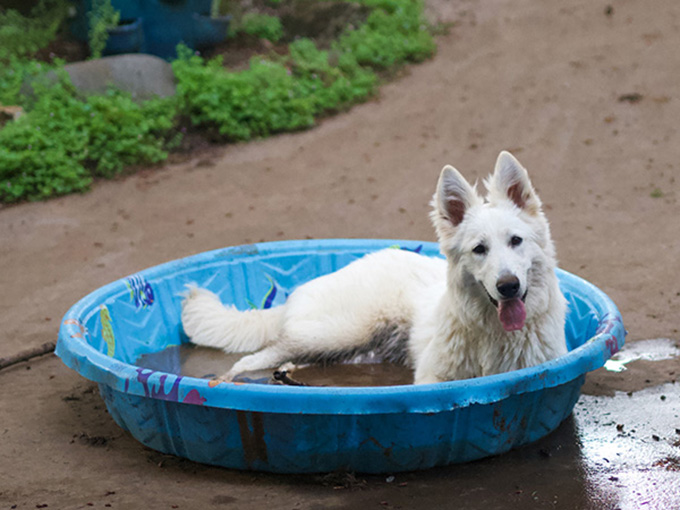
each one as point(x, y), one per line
point(143, 76)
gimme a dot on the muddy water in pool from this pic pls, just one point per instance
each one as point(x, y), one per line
point(620, 449)
point(192, 361)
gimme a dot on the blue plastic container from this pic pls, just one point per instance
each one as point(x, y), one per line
point(313, 429)
point(163, 24)
point(126, 38)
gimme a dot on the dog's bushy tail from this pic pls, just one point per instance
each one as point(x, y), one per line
point(209, 323)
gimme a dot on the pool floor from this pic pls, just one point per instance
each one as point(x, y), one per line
point(203, 362)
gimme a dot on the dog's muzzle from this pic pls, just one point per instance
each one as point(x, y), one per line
point(505, 296)
point(510, 306)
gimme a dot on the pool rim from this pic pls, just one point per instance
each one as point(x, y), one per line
point(76, 353)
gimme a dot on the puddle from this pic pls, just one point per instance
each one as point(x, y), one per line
point(359, 374)
point(203, 362)
point(657, 349)
point(630, 448)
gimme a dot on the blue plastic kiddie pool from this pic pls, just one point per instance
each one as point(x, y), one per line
point(291, 429)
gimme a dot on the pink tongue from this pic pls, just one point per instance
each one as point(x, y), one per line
point(512, 314)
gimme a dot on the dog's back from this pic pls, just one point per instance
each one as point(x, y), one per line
point(493, 305)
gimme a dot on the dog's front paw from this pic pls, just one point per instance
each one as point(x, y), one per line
point(215, 381)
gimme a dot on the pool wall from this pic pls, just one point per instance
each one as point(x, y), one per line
point(293, 429)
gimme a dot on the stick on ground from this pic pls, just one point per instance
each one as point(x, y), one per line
point(27, 354)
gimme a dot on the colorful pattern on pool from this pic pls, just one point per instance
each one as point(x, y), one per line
point(107, 330)
point(143, 375)
point(269, 296)
point(141, 293)
point(304, 429)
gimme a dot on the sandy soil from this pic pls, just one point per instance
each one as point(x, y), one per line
point(586, 97)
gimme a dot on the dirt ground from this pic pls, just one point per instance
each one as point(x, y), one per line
point(586, 95)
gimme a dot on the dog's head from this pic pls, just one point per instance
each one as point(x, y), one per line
point(499, 247)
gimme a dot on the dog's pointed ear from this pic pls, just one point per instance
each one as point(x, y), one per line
point(454, 196)
point(510, 181)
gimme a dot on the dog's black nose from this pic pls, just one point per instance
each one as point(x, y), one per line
point(508, 286)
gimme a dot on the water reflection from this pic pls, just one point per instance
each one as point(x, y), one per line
point(630, 448)
point(657, 349)
point(203, 362)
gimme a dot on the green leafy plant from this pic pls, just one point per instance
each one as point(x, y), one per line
point(215, 8)
point(22, 36)
point(64, 141)
point(14, 73)
point(395, 32)
point(330, 87)
point(270, 96)
point(289, 92)
point(262, 26)
point(259, 101)
point(102, 17)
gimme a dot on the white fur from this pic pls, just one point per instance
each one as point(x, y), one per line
point(444, 308)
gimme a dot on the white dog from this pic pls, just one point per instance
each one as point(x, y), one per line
point(491, 306)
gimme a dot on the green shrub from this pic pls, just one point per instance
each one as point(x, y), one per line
point(330, 87)
point(101, 18)
point(270, 96)
point(13, 73)
point(34, 166)
point(122, 132)
point(256, 102)
point(22, 36)
point(393, 34)
point(262, 26)
point(64, 141)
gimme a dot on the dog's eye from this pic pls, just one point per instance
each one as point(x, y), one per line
point(515, 240)
point(480, 249)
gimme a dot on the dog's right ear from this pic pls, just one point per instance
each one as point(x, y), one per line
point(454, 196)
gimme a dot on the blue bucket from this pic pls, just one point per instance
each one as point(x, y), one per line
point(127, 37)
point(166, 24)
point(291, 429)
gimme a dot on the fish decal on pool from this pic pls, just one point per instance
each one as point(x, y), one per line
point(141, 292)
point(107, 330)
point(83, 333)
point(417, 249)
point(269, 296)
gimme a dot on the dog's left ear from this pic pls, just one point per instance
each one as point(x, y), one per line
point(511, 181)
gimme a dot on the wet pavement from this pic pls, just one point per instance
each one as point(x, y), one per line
point(630, 447)
point(620, 449)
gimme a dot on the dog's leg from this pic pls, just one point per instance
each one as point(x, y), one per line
point(270, 357)
point(433, 363)
point(425, 372)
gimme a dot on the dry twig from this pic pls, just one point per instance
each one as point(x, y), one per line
point(27, 354)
